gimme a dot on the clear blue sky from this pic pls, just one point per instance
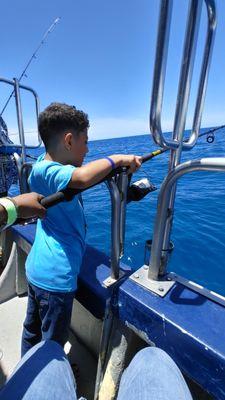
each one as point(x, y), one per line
point(100, 58)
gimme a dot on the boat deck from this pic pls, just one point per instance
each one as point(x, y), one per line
point(13, 313)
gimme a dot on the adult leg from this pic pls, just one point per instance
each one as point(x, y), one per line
point(43, 373)
point(152, 374)
point(32, 324)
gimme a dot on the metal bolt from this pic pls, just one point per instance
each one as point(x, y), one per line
point(145, 266)
point(109, 280)
point(136, 276)
point(161, 289)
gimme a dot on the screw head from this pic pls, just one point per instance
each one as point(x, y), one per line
point(161, 289)
point(136, 276)
point(145, 266)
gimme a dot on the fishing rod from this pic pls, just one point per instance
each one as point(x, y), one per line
point(155, 153)
point(68, 194)
point(34, 56)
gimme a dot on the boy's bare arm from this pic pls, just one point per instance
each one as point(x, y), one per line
point(95, 171)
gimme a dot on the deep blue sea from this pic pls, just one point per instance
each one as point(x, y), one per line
point(199, 223)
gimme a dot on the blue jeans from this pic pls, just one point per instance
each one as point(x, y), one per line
point(45, 374)
point(48, 317)
point(153, 375)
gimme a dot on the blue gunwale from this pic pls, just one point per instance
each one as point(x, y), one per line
point(187, 325)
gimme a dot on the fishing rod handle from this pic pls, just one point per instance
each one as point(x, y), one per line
point(52, 199)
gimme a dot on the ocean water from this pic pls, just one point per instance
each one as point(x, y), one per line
point(199, 223)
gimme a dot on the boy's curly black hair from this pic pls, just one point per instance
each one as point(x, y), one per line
point(58, 118)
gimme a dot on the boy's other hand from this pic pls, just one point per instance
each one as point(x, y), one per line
point(29, 205)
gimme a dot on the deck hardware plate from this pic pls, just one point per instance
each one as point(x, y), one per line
point(110, 281)
point(161, 287)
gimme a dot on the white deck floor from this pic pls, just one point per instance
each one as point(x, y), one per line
point(12, 314)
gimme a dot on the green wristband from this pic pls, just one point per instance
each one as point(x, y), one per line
point(10, 208)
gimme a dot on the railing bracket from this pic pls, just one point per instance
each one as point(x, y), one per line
point(160, 287)
point(110, 281)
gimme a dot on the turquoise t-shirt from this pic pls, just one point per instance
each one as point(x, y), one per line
point(56, 255)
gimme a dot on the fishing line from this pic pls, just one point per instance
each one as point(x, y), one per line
point(34, 56)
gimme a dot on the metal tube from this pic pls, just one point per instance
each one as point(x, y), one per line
point(20, 119)
point(181, 107)
point(185, 77)
point(204, 164)
point(19, 164)
point(186, 73)
point(115, 228)
point(183, 96)
point(123, 185)
point(160, 71)
point(37, 108)
point(211, 11)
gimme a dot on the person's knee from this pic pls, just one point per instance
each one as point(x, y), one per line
point(50, 347)
point(154, 357)
point(45, 348)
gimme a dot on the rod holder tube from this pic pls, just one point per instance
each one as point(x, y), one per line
point(115, 227)
point(204, 164)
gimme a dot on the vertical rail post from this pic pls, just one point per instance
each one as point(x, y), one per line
point(118, 192)
point(20, 118)
point(123, 185)
point(115, 228)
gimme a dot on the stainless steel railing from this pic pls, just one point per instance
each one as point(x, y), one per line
point(176, 143)
point(185, 74)
point(17, 88)
point(204, 164)
point(118, 193)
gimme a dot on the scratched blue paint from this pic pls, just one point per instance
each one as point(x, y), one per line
point(185, 324)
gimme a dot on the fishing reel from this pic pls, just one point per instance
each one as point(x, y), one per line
point(210, 138)
point(139, 189)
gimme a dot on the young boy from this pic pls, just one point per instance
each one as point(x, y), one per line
point(55, 258)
